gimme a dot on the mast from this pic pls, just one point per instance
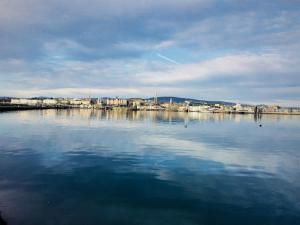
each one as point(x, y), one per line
point(155, 98)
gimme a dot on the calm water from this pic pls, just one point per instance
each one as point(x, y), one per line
point(84, 167)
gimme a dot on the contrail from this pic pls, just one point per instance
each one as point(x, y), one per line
point(166, 58)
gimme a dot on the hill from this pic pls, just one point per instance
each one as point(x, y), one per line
point(182, 100)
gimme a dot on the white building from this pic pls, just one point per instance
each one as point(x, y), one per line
point(198, 108)
point(80, 102)
point(75, 102)
point(25, 101)
point(50, 101)
point(116, 102)
point(243, 108)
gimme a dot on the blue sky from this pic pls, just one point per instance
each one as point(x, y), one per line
point(243, 51)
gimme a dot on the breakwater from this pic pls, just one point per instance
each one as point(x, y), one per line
point(4, 108)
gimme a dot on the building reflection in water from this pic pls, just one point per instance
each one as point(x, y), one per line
point(154, 117)
point(85, 156)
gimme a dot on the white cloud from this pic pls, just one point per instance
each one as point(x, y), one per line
point(53, 47)
point(231, 65)
point(102, 91)
point(230, 158)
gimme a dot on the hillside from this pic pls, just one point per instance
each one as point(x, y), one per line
point(181, 100)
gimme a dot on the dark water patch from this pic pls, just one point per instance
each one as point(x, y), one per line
point(146, 173)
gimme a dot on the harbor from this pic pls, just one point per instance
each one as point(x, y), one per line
point(140, 104)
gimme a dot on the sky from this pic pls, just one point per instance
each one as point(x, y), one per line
point(244, 51)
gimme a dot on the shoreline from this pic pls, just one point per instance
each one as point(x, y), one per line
point(8, 108)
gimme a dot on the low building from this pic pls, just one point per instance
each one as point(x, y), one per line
point(226, 108)
point(49, 101)
point(295, 110)
point(26, 101)
point(97, 103)
point(83, 103)
point(75, 102)
point(5, 100)
point(63, 101)
point(198, 108)
point(243, 108)
point(271, 109)
point(116, 102)
point(86, 102)
point(136, 103)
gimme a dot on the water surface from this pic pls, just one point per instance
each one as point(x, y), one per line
point(85, 167)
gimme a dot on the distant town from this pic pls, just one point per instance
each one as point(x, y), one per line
point(135, 104)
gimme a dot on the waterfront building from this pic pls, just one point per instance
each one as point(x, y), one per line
point(226, 108)
point(243, 108)
point(295, 110)
point(198, 108)
point(271, 109)
point(98, 103)
point(75, 102)
point(238, 107)
point(63, 101)
point(25, 101)
point(170, 106)
point(5, 100)
point(182, 108)
point(116, 102)
point(49, 101)
point(86, 103)
point(135, 103)
point(83, 103)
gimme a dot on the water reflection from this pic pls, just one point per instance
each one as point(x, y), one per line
point(97, 167)
point(153, 116)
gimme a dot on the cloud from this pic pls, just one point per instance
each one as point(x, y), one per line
point(260, 30)
point(225, 48)
point(96, 26)
point(242, 77)
point(101, 91)
point(78, 92)
point(231, 65)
